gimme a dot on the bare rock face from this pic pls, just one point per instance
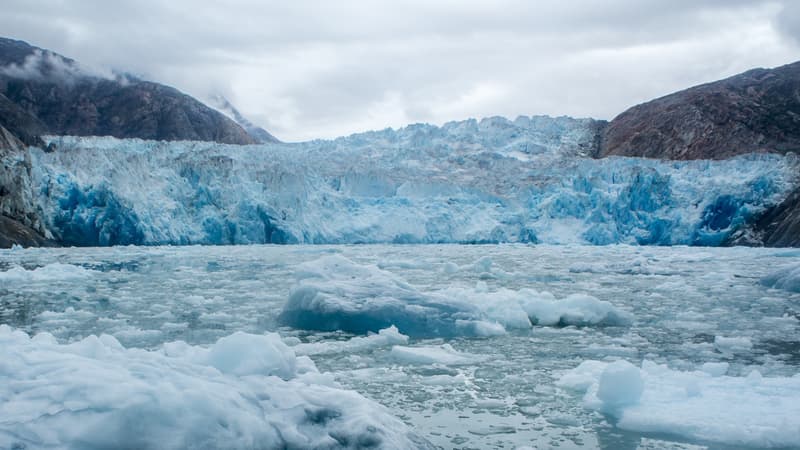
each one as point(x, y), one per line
point(19, 123)
point(20, 218)
point(756, 111)
point(68, 100)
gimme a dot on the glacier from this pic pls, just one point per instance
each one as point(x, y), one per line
point(530, 180)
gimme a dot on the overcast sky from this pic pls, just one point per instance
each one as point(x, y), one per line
point(307, 69)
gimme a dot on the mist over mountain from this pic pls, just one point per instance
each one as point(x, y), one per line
point(63, 98)
point(259, 134)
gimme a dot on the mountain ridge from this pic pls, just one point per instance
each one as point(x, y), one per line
point(754, 111)
point(68, 99)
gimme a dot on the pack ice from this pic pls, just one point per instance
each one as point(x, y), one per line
point(245, 391)
point(488, 181)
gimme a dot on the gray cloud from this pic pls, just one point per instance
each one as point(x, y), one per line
point(789, 20)
point(306, 69)
point(47, 66)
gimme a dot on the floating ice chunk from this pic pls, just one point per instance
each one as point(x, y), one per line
point(403, 265)
point(450, 267)
point(753, 411)
point(575, 309)
point(335, 293)
point(787, 278)
point(480, 328)
point(620, 385)
point(444, 380)
point(248, 354)
point(69, 315)
point(715, 369)
point(384, 338)
point(583, 376)
point(731, 345)
point(503, 306)
point(49, 272)
point(444, 354)
point(483, 265)
point(491, 403)
point(95, 393)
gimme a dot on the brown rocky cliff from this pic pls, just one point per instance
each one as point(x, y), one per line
point(756, 111)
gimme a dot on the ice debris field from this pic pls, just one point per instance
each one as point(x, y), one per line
point(400, 346)
point(530, 180)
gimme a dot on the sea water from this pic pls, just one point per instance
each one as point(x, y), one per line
point(485, 346)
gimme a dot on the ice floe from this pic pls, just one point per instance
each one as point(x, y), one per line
point(444, 354)
point(245, 391)
point(49, 272)
point(706, 405)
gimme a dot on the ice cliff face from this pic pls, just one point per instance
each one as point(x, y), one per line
point(485, 181)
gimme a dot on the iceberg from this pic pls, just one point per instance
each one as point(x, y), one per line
point(244, 391)
point(336, 293)
point(787, 278)
point(530, 180)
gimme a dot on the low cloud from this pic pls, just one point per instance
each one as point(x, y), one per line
point(789, 20)
point(47, 66)
point(42, 66)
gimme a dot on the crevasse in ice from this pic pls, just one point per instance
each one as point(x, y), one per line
point(488, 181)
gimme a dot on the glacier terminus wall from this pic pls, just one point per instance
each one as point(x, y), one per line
point(531, 180)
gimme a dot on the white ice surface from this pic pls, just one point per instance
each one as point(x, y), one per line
point(95, 393)
point(336, 293)
point(748, 410)
point(444, 354)
point(48, 273)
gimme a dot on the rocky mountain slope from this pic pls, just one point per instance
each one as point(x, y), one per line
point(756, 111)
point(67, 100)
